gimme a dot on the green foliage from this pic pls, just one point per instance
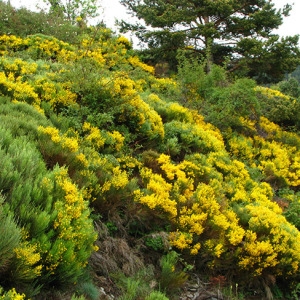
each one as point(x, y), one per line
point(156, 296)
point(77, 298)
point(112, 228)
point(75, 11)
point(171, 279)
point(155, 243)
point(290, 87)
point(22, 22)
point(37, 197)
point(219, 100)
point(10, 236)
point(87, 126)
point(138, 286)
point(226, 105)
point(88, 290)
point(216, 31)
point(292, 213)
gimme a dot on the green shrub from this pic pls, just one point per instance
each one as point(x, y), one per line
point(23, 22)
point(10, 236)
point(156, 296)
point(88, 290)
point(171, 279)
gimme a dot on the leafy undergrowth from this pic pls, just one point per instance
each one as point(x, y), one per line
point(109, 183)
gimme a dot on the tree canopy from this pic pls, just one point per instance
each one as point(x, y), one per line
point(236, 30)
point(74, 10)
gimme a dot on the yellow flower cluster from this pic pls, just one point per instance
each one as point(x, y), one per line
point(82, 159)
point(270, 93)
point(70, 144)
point(123, 40)
point(12, 295)
point(157, 193)
point(96, 54)
point(72, 225)
point(179, 112)
point(118, 139)
point(268, 126)
point(55, 94)
point(28, 260)
point(93, 136)
point(72, 206)
point(183, 185)
point(18, 67)
point(129, 162)
point(149, 116)
point(164, 85)
point(182, 240)
point(123, 86)
point(270, 241)
point(11, 42)
point(17, 89)
point(118, 180)
point(276, 160)
point(135, 62)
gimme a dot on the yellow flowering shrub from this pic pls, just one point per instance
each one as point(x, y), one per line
point(119, 179)
point(11, 42)
point(135, 62)
point(67, 143)
point(132, 110)
point(46, 47)
point(17, 89)
point(217, 193)
point(192, 137)
point(163, 85)
point(11, 295)
point(270, 93)
point(73, 230)
point(182, 180)
point(93, 136)
point(117, 140)
point(170, 110)
point(270, 241)
point(208, 224)
point(276, 106)
point(17, 67)
point(56, 94)
point(28, 261)
point(156, 193)
point(124, 40)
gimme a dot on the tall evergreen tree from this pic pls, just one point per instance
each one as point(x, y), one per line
point(239, 30)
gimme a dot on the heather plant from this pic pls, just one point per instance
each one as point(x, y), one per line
point(10, 237)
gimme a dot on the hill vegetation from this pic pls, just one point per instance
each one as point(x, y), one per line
point(117, 181)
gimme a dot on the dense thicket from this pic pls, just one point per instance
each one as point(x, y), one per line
point(113, 178)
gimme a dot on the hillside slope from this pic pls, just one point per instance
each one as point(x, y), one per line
point(106, 177)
